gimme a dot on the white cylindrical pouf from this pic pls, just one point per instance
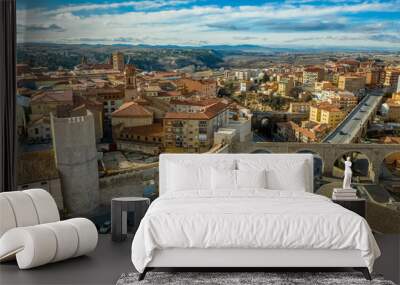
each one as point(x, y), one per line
point(23, 208)
point(7, 218)
point(45, 205)
point(87, 234)
point(34, 246)
point(67, 240)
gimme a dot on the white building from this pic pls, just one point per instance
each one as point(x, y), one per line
point(398, 85)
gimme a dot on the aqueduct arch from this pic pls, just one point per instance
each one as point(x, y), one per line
point(394, 154)
point(369, 171)
point(318, 161)
point(328, 152)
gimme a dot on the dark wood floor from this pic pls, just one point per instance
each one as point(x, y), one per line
point(103, 266)
point(110, 260)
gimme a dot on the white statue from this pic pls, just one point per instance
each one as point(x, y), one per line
point(347, 174)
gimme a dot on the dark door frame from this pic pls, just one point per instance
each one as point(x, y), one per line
point(8, 136)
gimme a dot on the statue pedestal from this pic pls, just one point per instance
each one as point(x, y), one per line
point(344, 190)
point(344, 194)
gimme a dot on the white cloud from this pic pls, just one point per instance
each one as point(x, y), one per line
point(141, 5)
point(194, 24)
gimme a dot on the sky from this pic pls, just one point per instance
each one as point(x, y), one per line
point(289, 23)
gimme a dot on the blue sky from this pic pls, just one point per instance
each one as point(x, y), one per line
point(351, 23)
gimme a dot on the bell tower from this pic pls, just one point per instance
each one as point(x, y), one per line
point(130, 83)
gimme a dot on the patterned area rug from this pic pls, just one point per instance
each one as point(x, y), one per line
point(243, 278)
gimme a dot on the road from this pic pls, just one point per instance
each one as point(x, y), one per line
point(348, 129)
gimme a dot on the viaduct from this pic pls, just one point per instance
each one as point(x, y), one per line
point(328, 152)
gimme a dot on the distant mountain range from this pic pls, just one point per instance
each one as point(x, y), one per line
point(170, 57)
point(240, 47)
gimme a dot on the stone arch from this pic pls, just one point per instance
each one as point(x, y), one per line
point(360, 168)
point(389, 166)
point(318, 161)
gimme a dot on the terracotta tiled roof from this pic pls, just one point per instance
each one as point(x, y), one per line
point(79, 101)
point(312, 69)
point(141, 101)
point(192, 102)
point(132, 109)
point(81, 108)
point(186, 116)
point(349, 62)
point(392, 103)
point(215, 109)
point(390, 140)
point(209, 113)
point(63, 96)
point(307, 133)
point(170, 93)
point(327, 107)
point(41, 120)
point(320, 128)
point(101, 66)
point(155, 130)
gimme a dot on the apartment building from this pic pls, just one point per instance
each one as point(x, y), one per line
point(398, 85)
point(323, 85)
point(203, 87)
point(285, 86)
point(193, 131)
point(147, 139)
point(373, 77)
point(312, 75)
point(391, 108)
point(310, 133)
point(244, 86)
point(134, 129)
point(391, 77)
point(245, 74)
point(46, 102)
point(111, 98)
point(352, 83)
point(326, 113)
point(344, 100)
point(39, 130)
point(299, 107)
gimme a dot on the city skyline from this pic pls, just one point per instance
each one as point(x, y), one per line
point(292, 23)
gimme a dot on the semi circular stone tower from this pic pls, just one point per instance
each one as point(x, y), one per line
point(75, 151)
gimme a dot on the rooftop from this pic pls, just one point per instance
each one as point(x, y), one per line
point(63, 96)
point(390, 140)
point(209, 113)
point(313, 69)
point(39, 121)
point(327, 107)
point(132, 109)
point(194, 102)
point(148, 130)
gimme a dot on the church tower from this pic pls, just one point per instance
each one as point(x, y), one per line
point(130, 83)
point(118, 61)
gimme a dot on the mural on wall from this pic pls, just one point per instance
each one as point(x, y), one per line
point(104, 87)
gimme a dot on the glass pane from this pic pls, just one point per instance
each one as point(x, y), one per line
point(105, 87)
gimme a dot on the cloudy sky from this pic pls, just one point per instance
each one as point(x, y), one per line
point(351, 23)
